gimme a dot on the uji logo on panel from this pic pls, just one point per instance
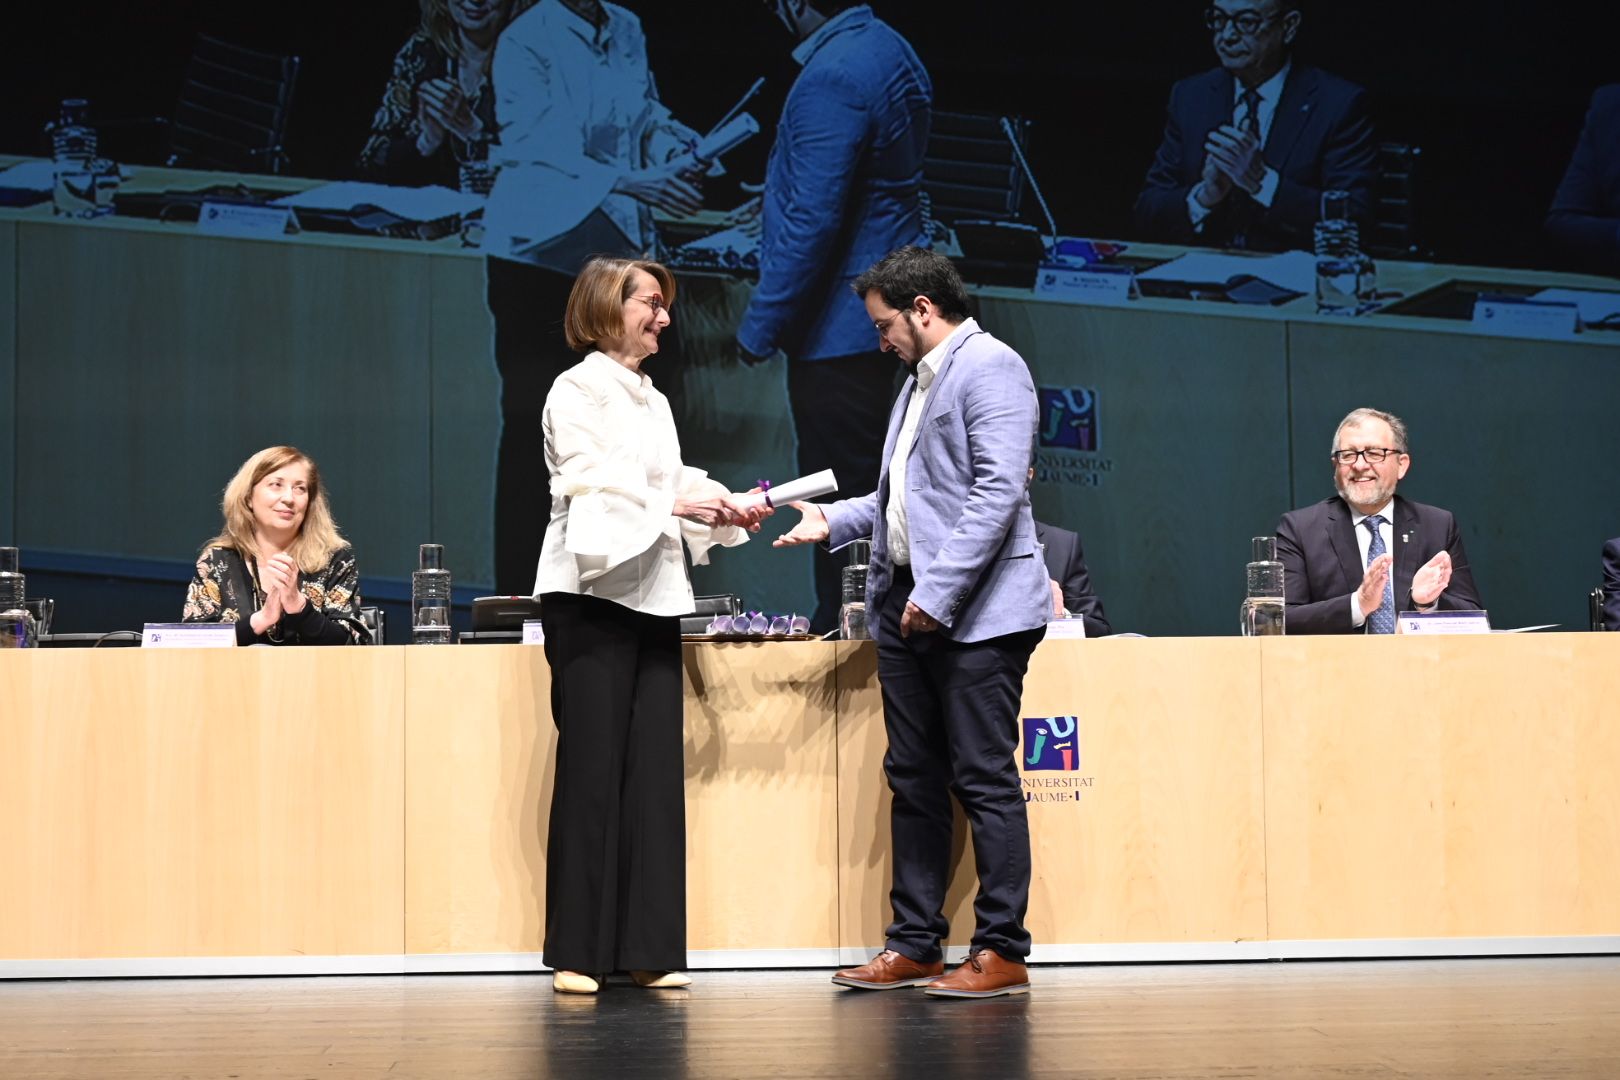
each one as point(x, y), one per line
point(1069, 418)
point(1069, 453)
point(1052, 746)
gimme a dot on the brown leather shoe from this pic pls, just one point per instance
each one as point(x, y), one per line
point(985, 974)
point(889, 971)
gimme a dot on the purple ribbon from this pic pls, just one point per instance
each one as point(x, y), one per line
point(765, 490)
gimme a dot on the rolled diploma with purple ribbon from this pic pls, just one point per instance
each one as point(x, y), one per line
point(805, 487)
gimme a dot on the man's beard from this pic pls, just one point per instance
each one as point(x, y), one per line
point(1379, 494)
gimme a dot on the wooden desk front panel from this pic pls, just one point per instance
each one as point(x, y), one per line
point(761, 796)
point(1158, 836)
point(1454, 787)
point(201, 803)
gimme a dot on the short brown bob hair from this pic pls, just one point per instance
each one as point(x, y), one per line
point(596, 304)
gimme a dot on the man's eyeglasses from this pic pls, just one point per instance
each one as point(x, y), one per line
point(1373, 454)
point(883, 327)
point(1247, 22)
point(655, 302)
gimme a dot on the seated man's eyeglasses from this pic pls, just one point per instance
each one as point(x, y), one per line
point(1373, 454)
point(1247, 22)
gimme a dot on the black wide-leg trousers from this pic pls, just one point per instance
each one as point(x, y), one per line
point(616, 854)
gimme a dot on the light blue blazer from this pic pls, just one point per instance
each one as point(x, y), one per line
point(971, 533)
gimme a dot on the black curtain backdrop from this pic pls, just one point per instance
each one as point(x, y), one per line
point(1493, 92)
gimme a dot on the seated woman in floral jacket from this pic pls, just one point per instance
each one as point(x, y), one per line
point(280, 570)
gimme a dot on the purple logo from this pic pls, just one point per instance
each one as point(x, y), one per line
point(1069, 418)
point(1051, 744)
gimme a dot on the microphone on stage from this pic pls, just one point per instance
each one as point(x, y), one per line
point(1029, 174)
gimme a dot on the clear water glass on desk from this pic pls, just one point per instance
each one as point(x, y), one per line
point(1346, 278)
point(16, 625)
point(1264, 610)
point(430, 598)
point(73, 150)
point(852, 610)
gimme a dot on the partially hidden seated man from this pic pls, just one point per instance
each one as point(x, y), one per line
point(1352, 561)
point(1250, 146)
point(1611, 584)
point(1072, 593)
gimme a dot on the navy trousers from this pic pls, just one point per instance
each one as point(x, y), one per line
point(951, 712)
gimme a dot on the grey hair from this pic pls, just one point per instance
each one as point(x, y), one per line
point(1397, 426)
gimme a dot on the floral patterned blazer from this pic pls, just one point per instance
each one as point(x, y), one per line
point(390, 154)
point(226, 589)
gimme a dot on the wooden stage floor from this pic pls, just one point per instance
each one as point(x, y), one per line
point(1454, 1018)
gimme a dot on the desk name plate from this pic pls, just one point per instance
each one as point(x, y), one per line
point(1070, 629)
point(534, 633)
point(1442, 622)
point(252, 222)
point(188, 636)
point(1094, 284)
point(1515, 316)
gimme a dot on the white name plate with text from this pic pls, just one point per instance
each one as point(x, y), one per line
point(1066, 629)
point(533, 632)
point(235, 219)
point(1526, 318)
point(188, 636)
point(1088, 285)
point(1442, 622)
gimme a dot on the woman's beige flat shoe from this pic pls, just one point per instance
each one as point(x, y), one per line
point(661, 980)
point(573, 982)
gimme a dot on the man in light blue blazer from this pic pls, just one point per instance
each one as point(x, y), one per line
point(957, 600)
point(842, 190)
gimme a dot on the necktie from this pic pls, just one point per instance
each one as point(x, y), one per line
point(1251, 112)
point(1242, 209)
point(1381, 621)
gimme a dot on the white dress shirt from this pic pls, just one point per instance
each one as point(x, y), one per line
point(576, 109)
point(1270, 96)
point(895, 512)
point(1364, 544)
point(615, 473)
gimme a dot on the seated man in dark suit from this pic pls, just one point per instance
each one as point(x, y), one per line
point(1351, 562)
point(1249, 147)
point(1585, 216)
point(1071, 581)
point(1611, 584)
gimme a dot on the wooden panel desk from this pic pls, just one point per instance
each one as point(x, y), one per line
point(199, 804)
point(384, 809)
point(761, 808)
point(1443, 788)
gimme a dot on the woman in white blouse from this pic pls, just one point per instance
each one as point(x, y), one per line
point(612, 585)
point(586, 153)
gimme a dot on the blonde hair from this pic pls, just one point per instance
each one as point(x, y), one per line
point(318, 537)
point(596, 304)
point(440, 28)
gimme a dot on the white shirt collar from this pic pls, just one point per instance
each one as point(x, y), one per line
point(928, 366)
point(1270, 90)
point(597, 37)
point(807, 48)
point(1387, 511)
point(635, 382)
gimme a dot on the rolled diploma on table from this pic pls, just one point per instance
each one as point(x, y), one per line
point(805, 487)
